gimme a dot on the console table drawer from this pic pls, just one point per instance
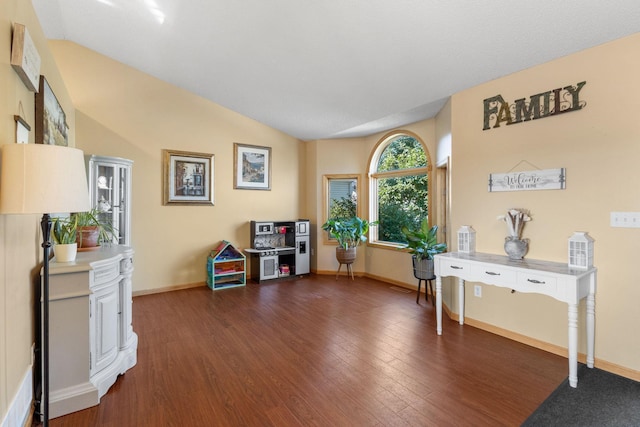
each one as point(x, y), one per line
point(494, 275)
point(539, 283)
point(454, 268)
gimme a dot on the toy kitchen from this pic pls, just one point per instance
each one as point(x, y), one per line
point(279, 249)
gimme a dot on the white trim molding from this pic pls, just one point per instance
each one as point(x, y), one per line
point(20, 407)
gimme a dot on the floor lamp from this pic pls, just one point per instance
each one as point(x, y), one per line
point(43, 179)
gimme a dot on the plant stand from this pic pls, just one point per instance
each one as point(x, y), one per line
point(349, 270)
point(426, 299)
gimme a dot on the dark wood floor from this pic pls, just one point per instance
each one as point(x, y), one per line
point(317, 352)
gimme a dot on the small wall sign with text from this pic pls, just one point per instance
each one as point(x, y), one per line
point(547, 179)
point(25, 58)
point(539, 106)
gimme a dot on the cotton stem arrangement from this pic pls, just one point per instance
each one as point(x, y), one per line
point(515, 219)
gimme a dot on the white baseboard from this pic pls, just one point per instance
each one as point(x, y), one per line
point(71, 399)
point(20, 407)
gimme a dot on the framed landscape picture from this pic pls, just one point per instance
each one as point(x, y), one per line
point(51, 121)
point(188, 178)
point(252, 167)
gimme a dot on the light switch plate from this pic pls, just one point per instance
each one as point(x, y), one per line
point(625, 219)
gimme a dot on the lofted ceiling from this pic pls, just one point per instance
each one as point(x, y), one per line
point(335, 68)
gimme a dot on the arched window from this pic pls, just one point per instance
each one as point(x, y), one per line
point(399, 176)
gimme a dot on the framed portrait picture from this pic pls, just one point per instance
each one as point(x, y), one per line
point(51, 122)
point(252, 167)
point(188, 178)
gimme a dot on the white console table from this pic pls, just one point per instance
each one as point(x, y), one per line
point(554, 279)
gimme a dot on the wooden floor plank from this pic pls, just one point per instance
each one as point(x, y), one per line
point(317, 351)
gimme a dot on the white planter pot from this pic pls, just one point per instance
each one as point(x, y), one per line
point(65, 253)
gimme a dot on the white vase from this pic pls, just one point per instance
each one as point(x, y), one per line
point(65, 253)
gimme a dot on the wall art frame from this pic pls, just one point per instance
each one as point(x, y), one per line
point(187, 178)
point(251, 167)
point(51, 121)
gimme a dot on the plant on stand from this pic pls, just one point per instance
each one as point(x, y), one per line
point(349, 233)
point(423, 245)
point(514, 245)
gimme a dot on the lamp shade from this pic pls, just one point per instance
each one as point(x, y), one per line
point(39, 178)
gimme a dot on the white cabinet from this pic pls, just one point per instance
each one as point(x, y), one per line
point(91, 337)
point(110, 192)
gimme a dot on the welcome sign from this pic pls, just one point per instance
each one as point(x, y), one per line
point(548, 179)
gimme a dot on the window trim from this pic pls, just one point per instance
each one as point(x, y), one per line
point(373, 176)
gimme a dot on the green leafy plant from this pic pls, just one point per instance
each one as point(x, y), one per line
point(348, 232)
point(423, 241)
point(92, 218)
point(64, 230)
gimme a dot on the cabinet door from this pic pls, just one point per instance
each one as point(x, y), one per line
point(302, 255)
point(104, 326)
point(110, 191)
point(122, 213)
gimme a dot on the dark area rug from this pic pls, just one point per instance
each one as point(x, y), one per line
point(601, 399)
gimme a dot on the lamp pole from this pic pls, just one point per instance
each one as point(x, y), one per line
point(45, 224)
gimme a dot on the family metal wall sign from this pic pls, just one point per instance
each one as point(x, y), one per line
point(547, 179)
point(539, 106)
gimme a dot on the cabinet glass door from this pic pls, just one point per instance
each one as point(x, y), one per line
point(110, 188)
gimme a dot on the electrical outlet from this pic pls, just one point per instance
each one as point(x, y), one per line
point(477, 291)
point(625, 219)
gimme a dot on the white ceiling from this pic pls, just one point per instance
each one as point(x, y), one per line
point(323, 69)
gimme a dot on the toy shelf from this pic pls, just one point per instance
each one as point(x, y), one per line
point(226, 267)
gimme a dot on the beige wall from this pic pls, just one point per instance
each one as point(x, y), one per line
point(337, 156)
point(123, 112)
point(599, 147)
point(20, 241)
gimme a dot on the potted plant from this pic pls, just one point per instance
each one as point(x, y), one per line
point(65, 246)
point(349, 233)
point(92, 229)
point(423, 245)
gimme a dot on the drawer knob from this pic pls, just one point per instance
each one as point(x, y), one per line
point(455, 267)
point(537, 282)
point(492, 273)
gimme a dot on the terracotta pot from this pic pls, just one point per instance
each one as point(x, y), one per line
point(87, 237)
point(346, 256)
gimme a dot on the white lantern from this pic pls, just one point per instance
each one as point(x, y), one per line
point(466, 239)
point(580, 250)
